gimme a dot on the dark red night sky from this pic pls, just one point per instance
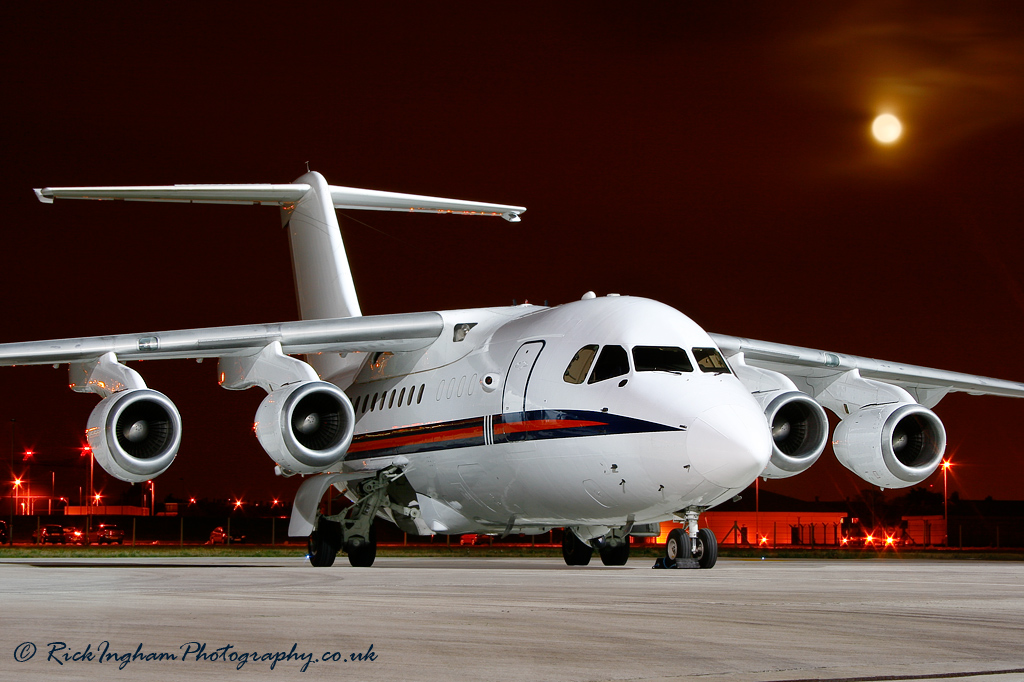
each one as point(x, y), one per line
point(717, 158)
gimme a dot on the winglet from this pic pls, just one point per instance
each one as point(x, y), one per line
point(42, 197)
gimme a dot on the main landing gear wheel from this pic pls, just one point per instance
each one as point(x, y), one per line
point(678, 545)
point(362, 551)
point(706, 549)
point(615, 555)
point(323, 543)
point(575, 551)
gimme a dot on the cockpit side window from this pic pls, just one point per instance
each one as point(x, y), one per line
point(661, 359)
point(710, 360)
point(577, 370)
point(612, 362)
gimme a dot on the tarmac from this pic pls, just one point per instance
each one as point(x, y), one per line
point(433, 619)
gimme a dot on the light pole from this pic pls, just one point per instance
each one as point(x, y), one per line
point(945, 497)
point(14, 504)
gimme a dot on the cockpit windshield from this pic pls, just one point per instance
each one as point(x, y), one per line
point(612, 362)
point(661, 359)
point(710, 360)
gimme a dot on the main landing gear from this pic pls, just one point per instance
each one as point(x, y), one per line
point(692, 546)
point(352, 530)
point(613, 548)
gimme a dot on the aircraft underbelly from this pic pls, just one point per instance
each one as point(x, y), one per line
point(582, 480)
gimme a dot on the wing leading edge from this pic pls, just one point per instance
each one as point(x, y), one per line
point(814, 369)
point(405, 332)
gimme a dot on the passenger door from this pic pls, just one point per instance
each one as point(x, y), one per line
point(514, 397)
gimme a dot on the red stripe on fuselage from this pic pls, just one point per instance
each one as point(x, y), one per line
point(542, 425)
point(418, 439)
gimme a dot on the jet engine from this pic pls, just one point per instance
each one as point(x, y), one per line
point(891, 446)
point(306, 427)
point(799, 433)
point(134, 434)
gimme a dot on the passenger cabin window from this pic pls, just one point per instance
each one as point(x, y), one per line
point(710, 360)
point(612, 362)
point(577, 370)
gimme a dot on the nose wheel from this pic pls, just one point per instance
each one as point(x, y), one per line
point(678, 545)
point(705, 548)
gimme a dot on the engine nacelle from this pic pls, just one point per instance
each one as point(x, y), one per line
point(799, 429)
point(306, 427)
point(891, 446)
point(134, 434)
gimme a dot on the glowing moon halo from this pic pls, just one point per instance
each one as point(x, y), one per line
point(886, 128)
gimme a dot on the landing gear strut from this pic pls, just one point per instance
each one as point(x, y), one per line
point(352, 529)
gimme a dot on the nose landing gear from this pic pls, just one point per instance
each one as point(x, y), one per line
point(691, 548)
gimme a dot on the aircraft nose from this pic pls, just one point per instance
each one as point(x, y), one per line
point(729, 444)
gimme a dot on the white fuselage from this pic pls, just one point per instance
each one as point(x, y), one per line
point(497, 437)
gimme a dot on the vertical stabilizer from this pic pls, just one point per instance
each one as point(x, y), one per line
point(323, 278)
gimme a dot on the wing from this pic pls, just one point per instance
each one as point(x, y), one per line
point(814, 370)
point(392, 333)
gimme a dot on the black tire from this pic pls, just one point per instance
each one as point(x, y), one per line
point(678, 545)
point(706, 551)
point(323, 543)
point(362, 554)
point(615, 555)
point(575, 551)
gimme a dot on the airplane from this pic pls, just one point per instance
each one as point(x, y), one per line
point(603, 416)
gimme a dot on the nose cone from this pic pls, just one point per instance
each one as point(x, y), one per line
point(730, 444)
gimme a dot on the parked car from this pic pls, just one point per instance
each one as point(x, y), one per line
point(50, 533)
point(74, 535)
point(108, 534)
point(4, 534)
point(219, 537)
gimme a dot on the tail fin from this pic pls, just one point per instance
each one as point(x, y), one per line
point(323, 279)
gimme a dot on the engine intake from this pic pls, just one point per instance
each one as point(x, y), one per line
point(306, 427)
point(134, 434)
point(891, 446)
point(799, 433)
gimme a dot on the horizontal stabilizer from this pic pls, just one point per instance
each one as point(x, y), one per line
point(282, 195)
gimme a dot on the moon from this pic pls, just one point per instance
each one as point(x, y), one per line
point(886, 128)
